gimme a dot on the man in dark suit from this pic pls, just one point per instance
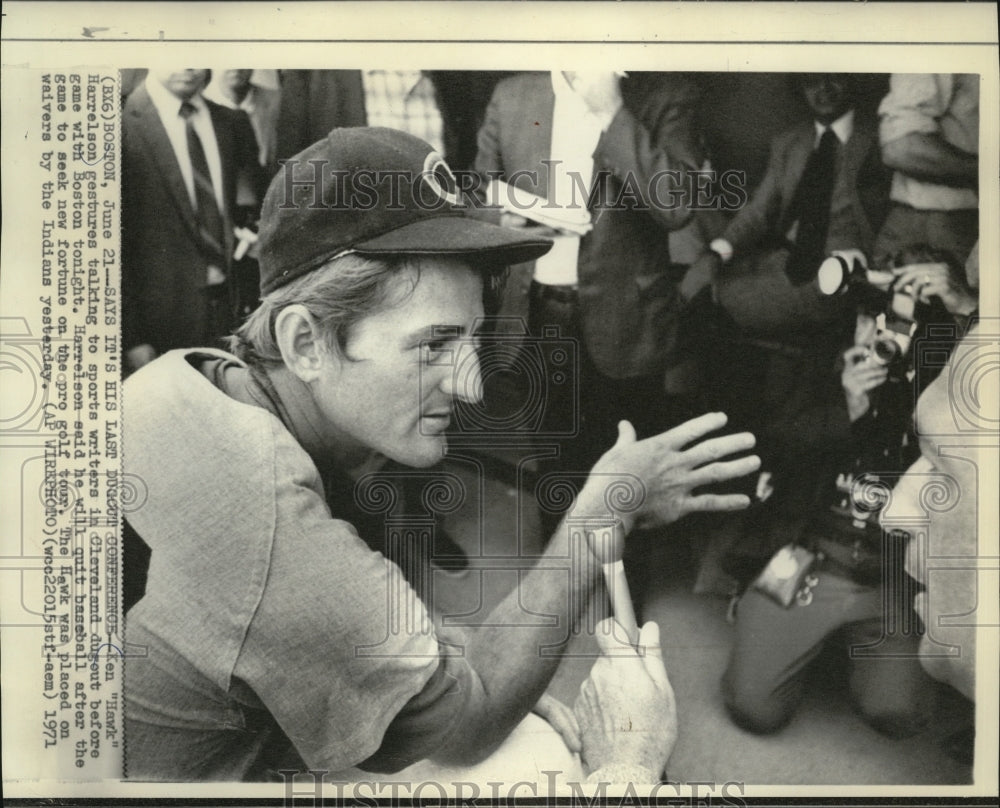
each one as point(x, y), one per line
point(188, 169)
point(825, 189)
point(627, 143)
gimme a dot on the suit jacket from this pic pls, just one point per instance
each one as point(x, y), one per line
point(163, 267)
point(754, 290)
point(768, 214)
point(629, 303)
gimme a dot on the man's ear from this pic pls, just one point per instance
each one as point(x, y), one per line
point(301, 342)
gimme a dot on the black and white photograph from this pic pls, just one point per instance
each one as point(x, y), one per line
point(486, 413)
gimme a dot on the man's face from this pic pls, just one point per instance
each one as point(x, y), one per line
point(935, 501)
point(395, 389)
point(828, 95)
point(236, 80)
point(183, 82)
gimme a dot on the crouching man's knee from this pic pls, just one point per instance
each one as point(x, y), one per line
point(753, 708)
point(894, 720)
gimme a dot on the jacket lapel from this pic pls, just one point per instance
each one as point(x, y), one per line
point(224, 135)
point(856, 149)
point(534, 135)
point(798, 155)
point(157, 145)
point(224, 139)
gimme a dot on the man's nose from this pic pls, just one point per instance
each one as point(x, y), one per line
point(464, 380)
point(904, 503)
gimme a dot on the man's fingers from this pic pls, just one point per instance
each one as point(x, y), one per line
point(586, 702)
point(873, 372)
point(562, 719)
point(612, 639)
point(919, 274)
point(689, 431)
point(872, 384)
point(715, 448)
point(855, 354)
point(652, 660)
point(584, 708)
point(729, 470)
point(717, 502)
point(912, 271)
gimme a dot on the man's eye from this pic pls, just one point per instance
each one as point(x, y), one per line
point(434, 349)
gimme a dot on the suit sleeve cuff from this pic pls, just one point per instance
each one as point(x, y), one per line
point(723, 248)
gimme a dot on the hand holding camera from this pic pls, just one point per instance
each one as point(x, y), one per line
point(862, 373)
point(929, 280)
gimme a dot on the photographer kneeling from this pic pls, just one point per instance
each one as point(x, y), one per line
point(830, 574)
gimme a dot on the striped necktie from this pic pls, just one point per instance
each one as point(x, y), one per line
point(210, 224)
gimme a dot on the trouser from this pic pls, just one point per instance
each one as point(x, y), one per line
point(954, 231)
point(756, 293)
point(769, 667)
point(588, 408)
point(582, 405)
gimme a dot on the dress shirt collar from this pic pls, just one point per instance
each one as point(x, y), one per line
point(559, 85)
point(564, 90)
point(167, 104)
point(843, 128)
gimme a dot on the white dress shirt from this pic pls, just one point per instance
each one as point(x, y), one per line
point(168, 106)
point(575, 134)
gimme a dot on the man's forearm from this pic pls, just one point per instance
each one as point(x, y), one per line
point(929, 158)
point(512, 662)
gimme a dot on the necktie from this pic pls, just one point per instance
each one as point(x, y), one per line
point(210, 224)
point(812, 203)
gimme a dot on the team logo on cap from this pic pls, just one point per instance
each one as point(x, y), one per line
point(438, 177)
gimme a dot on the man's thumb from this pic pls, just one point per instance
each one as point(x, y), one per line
point(652, 653)
point(626, 434)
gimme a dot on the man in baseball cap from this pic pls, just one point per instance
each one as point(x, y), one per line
point(278, 634)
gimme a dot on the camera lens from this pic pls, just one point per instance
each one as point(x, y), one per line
point(831, 275)
point(885, 351)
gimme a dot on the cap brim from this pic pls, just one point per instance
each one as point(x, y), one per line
point(458, 236)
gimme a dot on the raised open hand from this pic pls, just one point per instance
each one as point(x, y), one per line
point(653, 481)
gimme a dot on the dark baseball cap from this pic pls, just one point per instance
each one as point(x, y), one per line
point(375, 192)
